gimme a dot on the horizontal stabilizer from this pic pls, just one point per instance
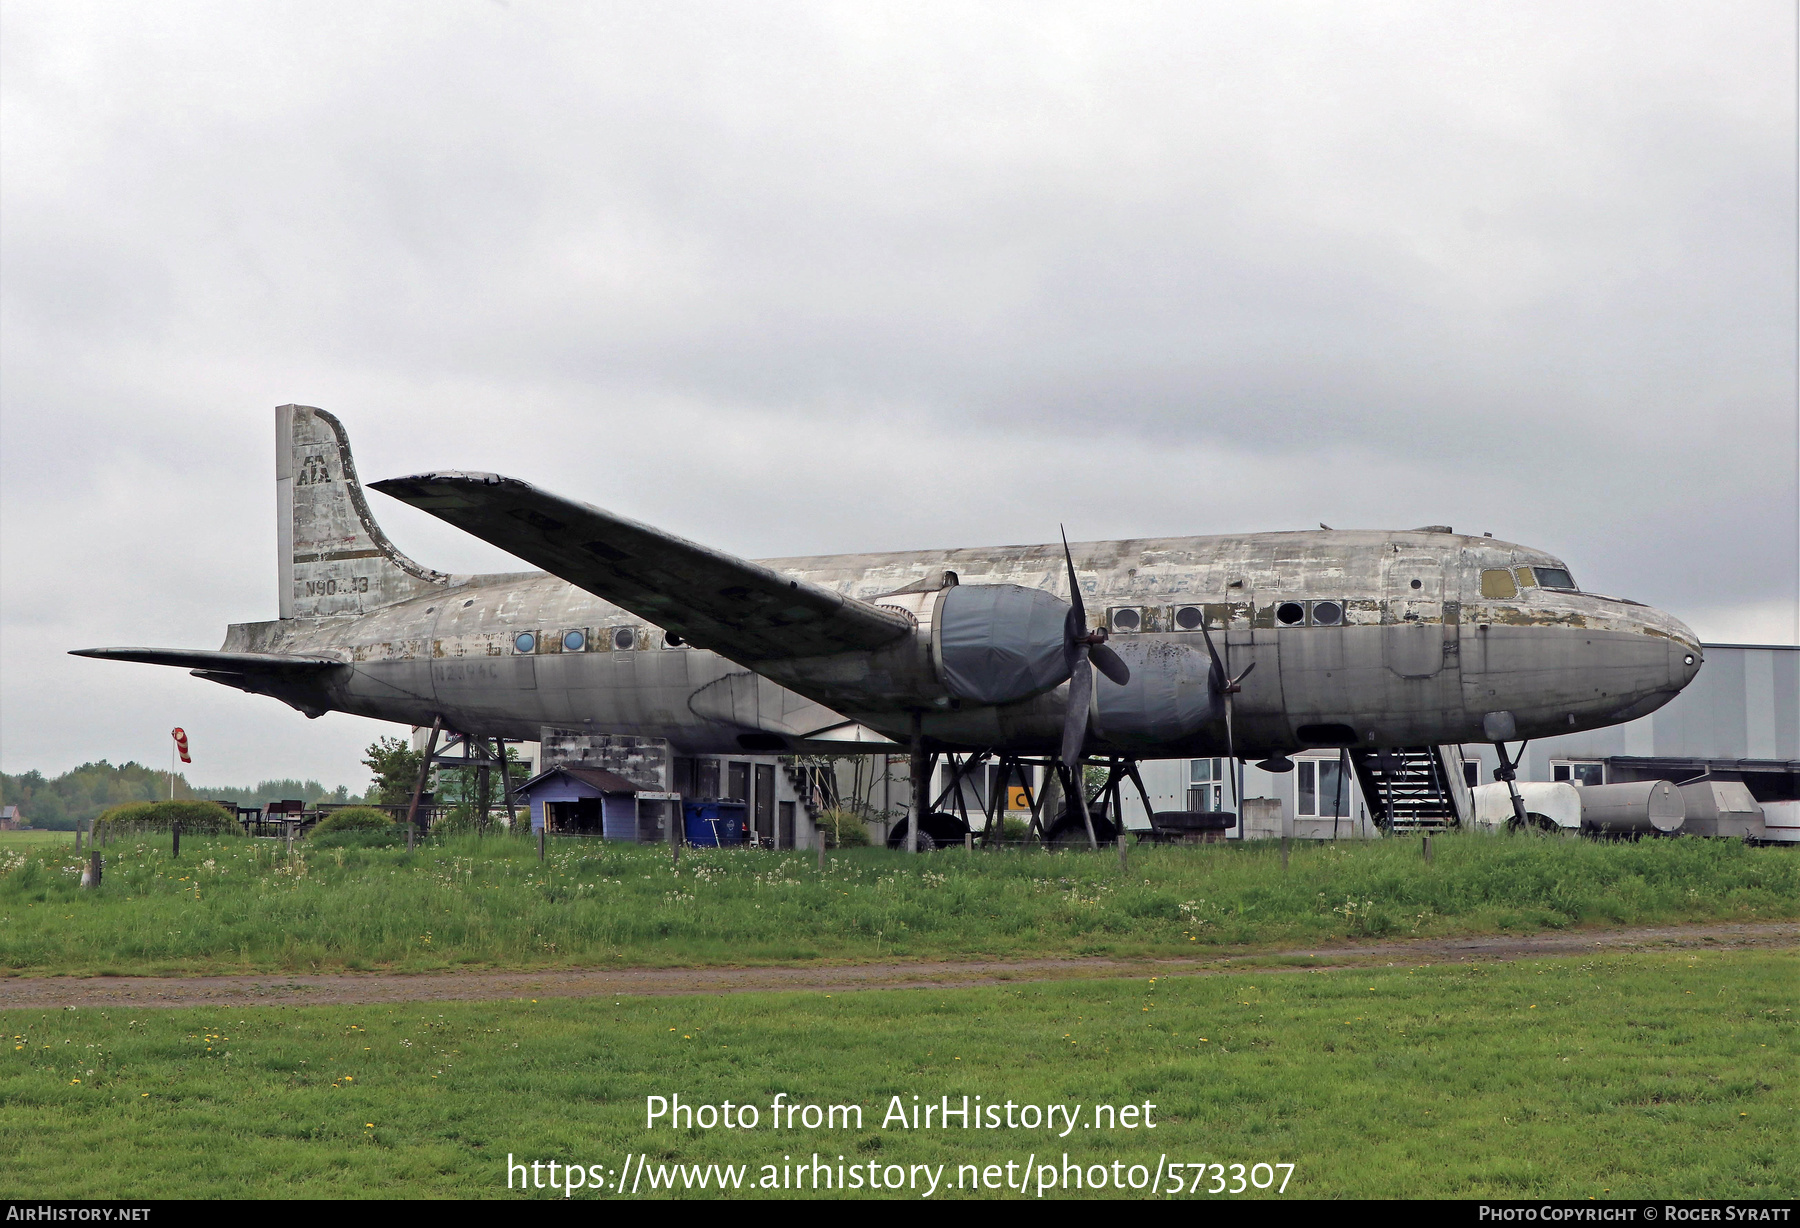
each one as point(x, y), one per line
point(737, 608)
point(213, 662)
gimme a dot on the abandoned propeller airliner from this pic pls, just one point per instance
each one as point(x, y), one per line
point(1250, 645)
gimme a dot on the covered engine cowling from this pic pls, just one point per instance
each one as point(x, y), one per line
point(999, 643)
point(1169, 695)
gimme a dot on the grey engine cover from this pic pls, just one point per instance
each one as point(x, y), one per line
point(998, 643)
point(1169, 696)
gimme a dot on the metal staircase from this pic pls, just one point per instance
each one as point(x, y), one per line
point(801, 780)
point(1412, 788)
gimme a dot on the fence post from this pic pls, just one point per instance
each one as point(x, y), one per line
point(541, 842)
point(969, 843)
point(819, 835)
point(78, 836)
point(175, 839)
point(1123, 865)
point(1427, 850)
point(1284, 852)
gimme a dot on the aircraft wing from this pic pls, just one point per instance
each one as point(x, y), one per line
point(740, 609)
point(213, 662)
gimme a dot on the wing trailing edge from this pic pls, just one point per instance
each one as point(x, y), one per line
point(738, 608)
point(213, 662)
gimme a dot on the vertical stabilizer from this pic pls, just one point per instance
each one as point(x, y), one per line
point(334, 558)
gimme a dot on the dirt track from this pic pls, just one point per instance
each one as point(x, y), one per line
point(25, 993)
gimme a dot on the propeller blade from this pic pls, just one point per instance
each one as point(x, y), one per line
point(1081, 693)
point(1237, 682)
point(1216, 674)
point(1074, 585)
point(1237, 803)
point(1110, 663)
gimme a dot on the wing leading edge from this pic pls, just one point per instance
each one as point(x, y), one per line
point(740, 609)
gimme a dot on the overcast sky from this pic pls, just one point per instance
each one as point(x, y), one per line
point(795, 279)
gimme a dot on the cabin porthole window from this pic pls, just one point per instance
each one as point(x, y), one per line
point(1125, 618)
point(1189, 617)
point(574, 641)
point(624, 638)
point(1327, 613)
point(1290, 613)
point(524, 642)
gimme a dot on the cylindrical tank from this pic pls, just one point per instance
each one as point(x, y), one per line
point(1645, 807)
point(1557, 802)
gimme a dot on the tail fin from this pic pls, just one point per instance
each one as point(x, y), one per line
point(334, 558)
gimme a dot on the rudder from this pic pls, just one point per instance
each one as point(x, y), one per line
point(333, 558)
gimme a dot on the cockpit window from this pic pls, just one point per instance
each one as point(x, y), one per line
point(1497, 584)
point(1525, 577)
point(1555, 577)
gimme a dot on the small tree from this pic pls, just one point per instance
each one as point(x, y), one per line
point(396, 768)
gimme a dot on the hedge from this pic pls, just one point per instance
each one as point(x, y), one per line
point(196, 818)
point(353, 818)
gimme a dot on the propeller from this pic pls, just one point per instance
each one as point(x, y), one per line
point(1082, 648)
point(1083, 651)
point(1224, 684)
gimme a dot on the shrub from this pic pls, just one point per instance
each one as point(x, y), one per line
point(196, 818)
point(392, 836)
point(843, 829)
point(353, 818)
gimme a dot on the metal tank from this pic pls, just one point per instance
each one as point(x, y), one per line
point(1722, 808)
point(1551, 803)
point(1639, 807)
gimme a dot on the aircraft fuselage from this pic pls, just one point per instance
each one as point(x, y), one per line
point(1372, 638)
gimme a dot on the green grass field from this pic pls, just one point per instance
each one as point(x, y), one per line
point(1634, 1076)
point(36, 841)
point(242, 905)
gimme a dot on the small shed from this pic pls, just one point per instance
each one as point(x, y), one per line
point(12, 820)
point(591, 801)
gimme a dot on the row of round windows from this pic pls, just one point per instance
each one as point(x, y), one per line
point(623, 640)
point(1190, 617)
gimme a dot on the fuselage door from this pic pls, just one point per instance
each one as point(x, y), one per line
point(1413, 628)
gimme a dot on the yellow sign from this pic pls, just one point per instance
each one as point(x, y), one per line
point(1017, 798)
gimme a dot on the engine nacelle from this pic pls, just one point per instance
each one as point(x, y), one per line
point(1168, 698)
point(999, 643)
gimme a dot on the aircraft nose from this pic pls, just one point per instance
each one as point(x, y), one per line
point(1685, 654)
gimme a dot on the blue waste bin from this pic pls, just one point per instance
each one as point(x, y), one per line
point(711, 822)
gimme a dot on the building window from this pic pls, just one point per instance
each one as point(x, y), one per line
point(1206, 787)
point(1578, 772)
point(1322, 788)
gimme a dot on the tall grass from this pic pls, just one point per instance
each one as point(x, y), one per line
point(236, 904)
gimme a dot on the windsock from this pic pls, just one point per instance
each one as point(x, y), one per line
point(180, 736)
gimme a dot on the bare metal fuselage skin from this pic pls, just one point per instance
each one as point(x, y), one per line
point(1420, 657)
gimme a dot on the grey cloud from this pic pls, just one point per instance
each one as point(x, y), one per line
point(796, 278)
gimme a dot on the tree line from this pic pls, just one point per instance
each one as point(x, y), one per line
point(61, 803)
